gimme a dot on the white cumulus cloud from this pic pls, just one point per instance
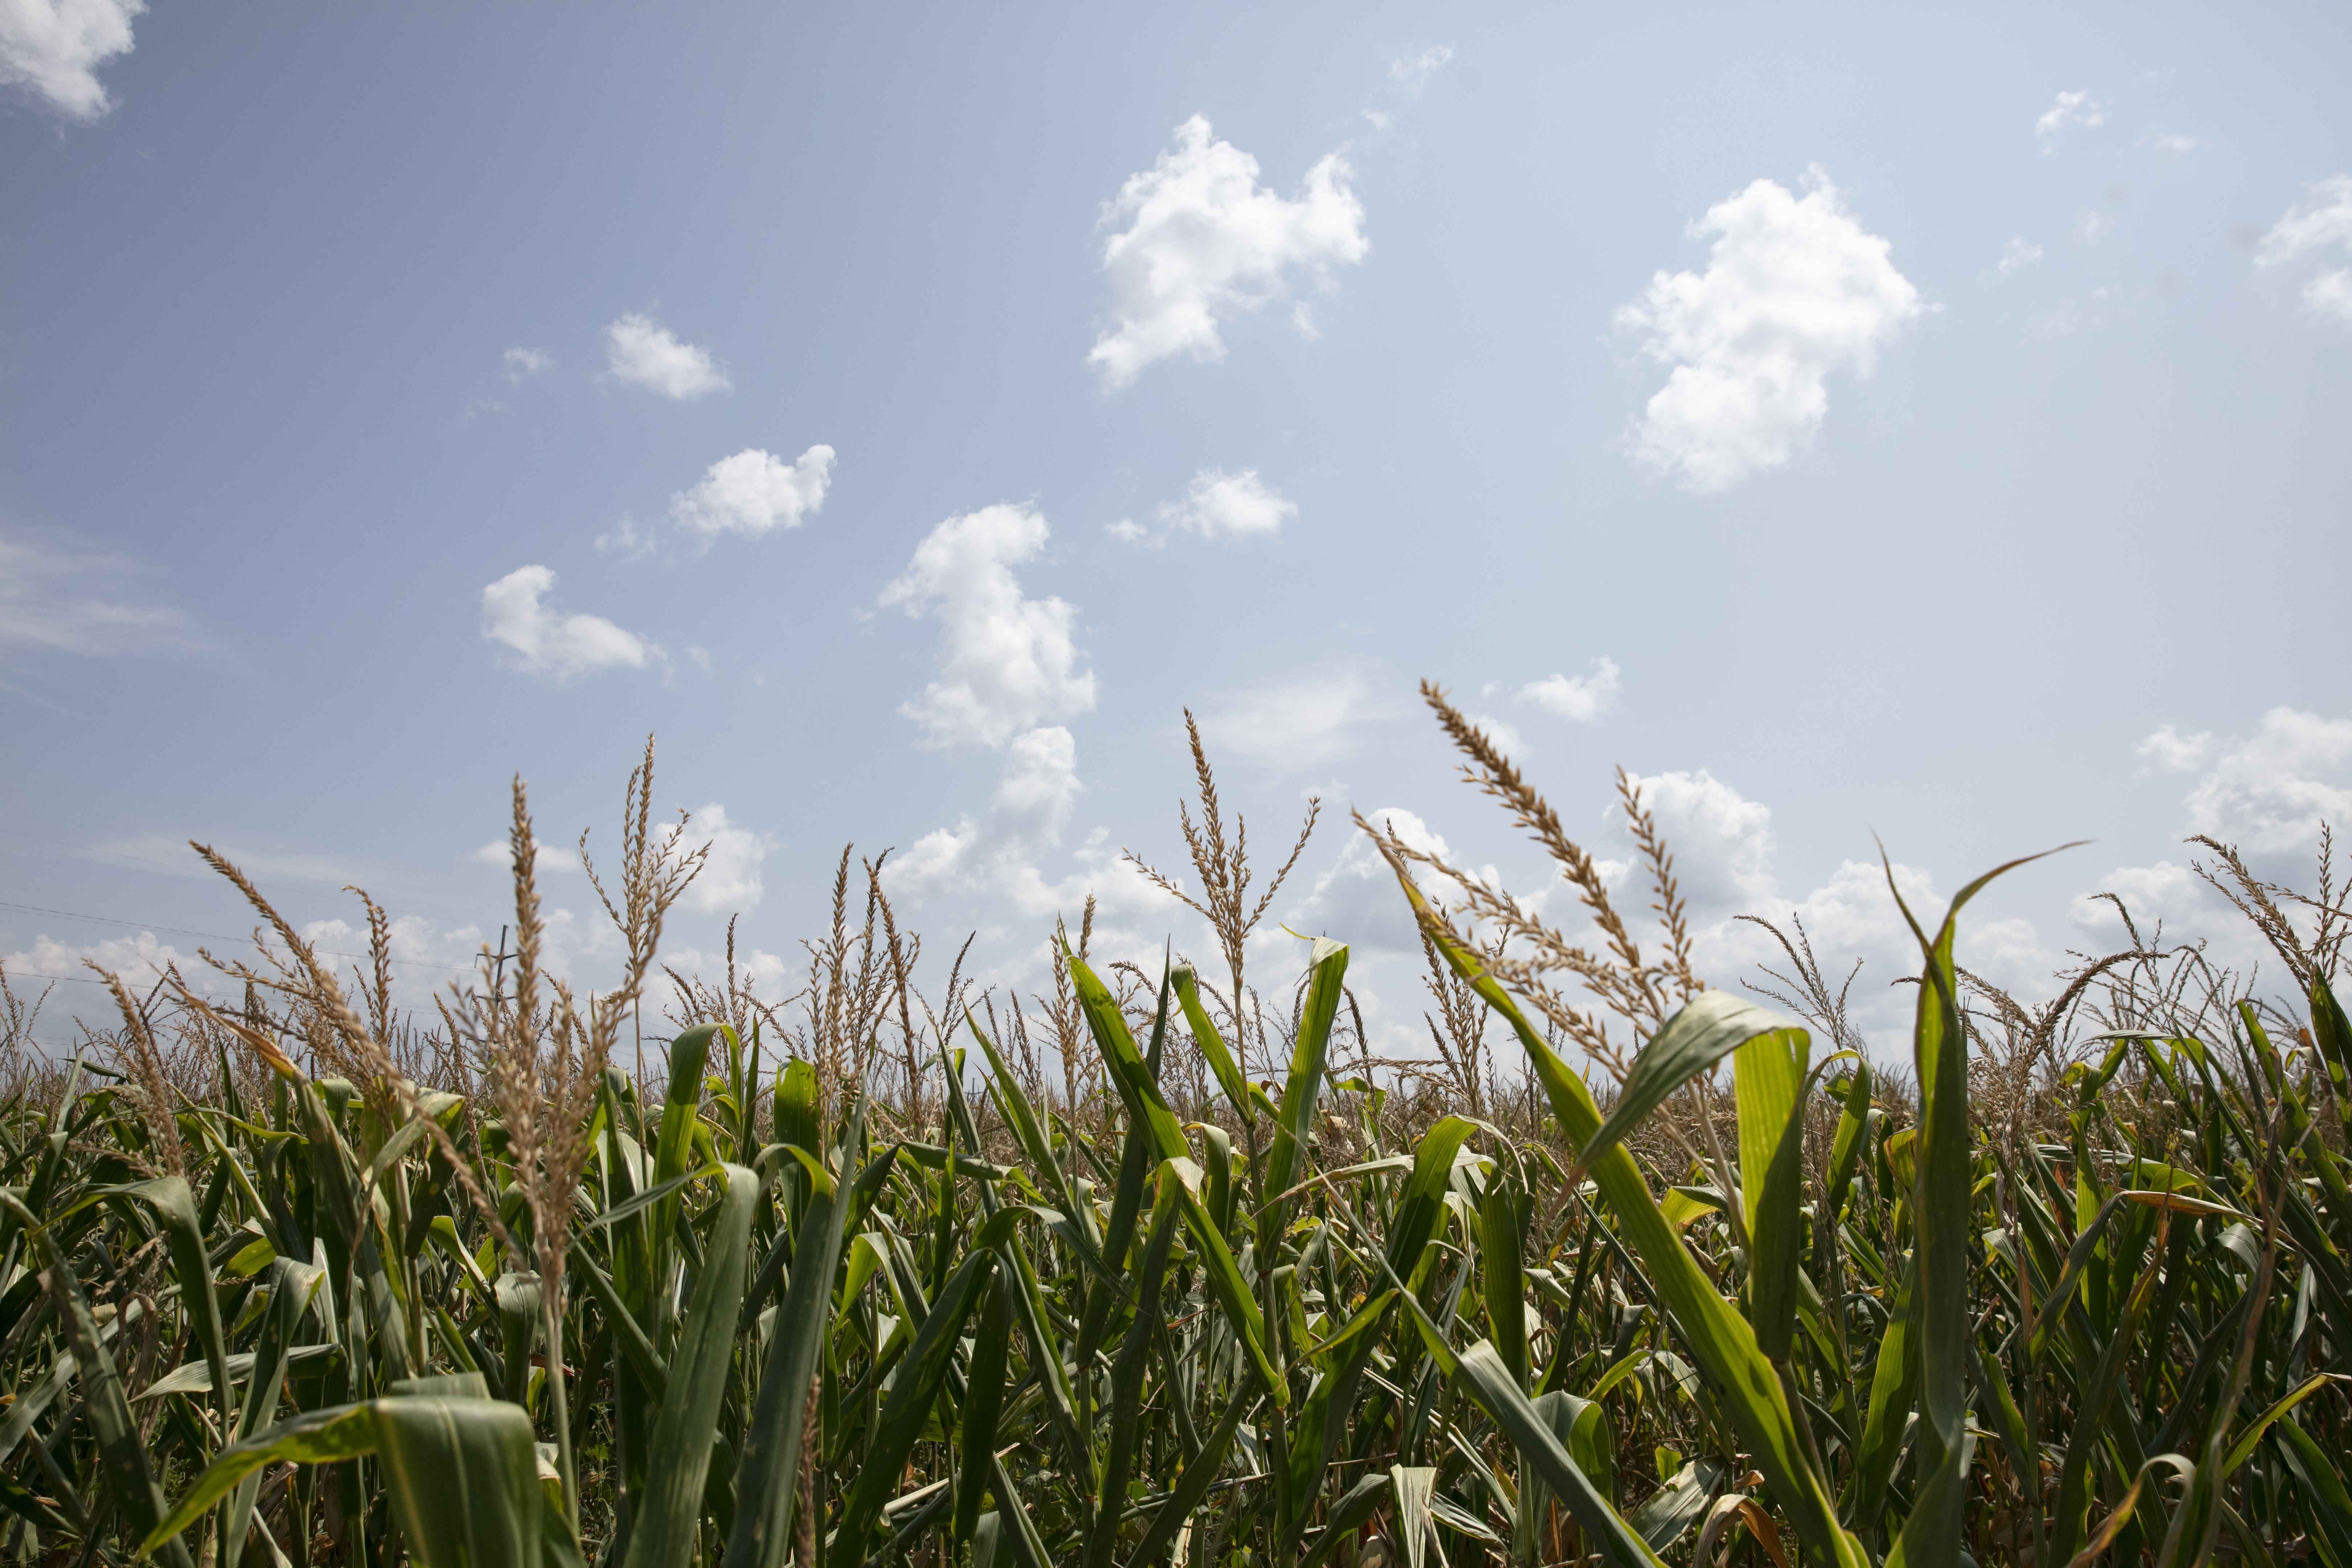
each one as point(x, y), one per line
point(1040, 786)
point(1007, 662)
point(2320, 225)
point(643, 353)
point(515, 613)
point(52, 49)
point(1722, 841)
point(2269, 792)
point(754, 491)
point(2076, 108)
point(1220, 505)
point(1581, 698)
point(2169, 750)
point(1204, 242)
point(1794, 290)
point(729, 882)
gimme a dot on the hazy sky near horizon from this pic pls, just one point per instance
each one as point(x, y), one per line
point(1848, 419)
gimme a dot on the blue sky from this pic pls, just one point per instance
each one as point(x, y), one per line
point(1848, 419)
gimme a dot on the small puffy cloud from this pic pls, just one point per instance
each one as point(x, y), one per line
point(2092, 225)
point(1503, 733)
point(729, 882)
point(2075, 108)
point(1302, 721)
point(1220, 505)
point(52, 49)
point(1204, 242)
point(2169, 750)
point(627, 538)
point(2172, 141)
point(2268, 793)
point(521, 364)
point(2018, 255)
point(1795, 291)
point(516, 614)
point(545, 858)
point(1007, 662)
point(1039, 787)
point(643, 353)
point(138, 959)
point(754, 491)
point(1127, 530)
point(76, 601)
point(2319, 226)
point(1412, 70)
point(1579, 699)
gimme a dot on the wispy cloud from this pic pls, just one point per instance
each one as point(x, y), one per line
point(521, 364)
point(2318, 227)
point(70, 600)
point(2072, 109)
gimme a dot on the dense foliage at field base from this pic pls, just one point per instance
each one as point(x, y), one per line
point(791, 1332)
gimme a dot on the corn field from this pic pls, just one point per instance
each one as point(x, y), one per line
point(304, 1281)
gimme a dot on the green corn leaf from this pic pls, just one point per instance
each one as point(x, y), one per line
point(1023, 1117)
point(668, 1516)
point(122, 1457)
point(796, 1106)
point(1138, 1090)
point(1212, 1044)
point(1942, 1207)
point(1483, 1377)
point(175, 1210)
point(1502, 1246)
point(1127, 1389)
point(1708, 1027)
point(767, 1473)
point(1295, 1125)
point(1199, 1475)
point(1721, 1340)
point(314, 1438)
point(921, 1374)
point(983, 1403)
point(1845, 1145)
point(463, 1477)
point(1768, 1079)
point(1413, 1486)
point(1225, 1280)
point(1348, 1516)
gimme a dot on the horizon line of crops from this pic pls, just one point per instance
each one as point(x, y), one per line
point(466, 1295)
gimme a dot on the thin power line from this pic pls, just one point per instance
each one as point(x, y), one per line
point(208, 935)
